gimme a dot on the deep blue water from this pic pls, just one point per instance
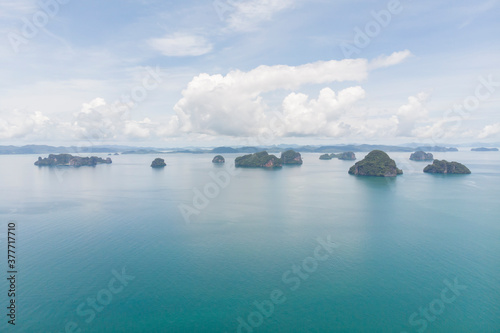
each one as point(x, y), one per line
point(397, 241)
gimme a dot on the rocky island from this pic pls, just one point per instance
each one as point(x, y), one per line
point(446, 167)
point(158, 163)
point(484, 149)
point(348, 156)
point(291, 157)
point(326, 157)
point(218, 159)
point(70, 160)
point(258, 160)
point(421, 156)
point(378, 164)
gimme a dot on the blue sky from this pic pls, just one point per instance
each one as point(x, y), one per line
point(170, 73)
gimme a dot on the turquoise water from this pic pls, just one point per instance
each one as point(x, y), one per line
point(397, 240)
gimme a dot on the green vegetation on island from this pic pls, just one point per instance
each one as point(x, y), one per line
point(446, 167)
point(421, 156)
point(378, 164)
point(291, 157)
point(70, 160)
point(158, 163)
point(348, 156)
point(258, 160)
point(218, 159)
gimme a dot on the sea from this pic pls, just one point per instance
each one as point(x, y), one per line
point(198, 247)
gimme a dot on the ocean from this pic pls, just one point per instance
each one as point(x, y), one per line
point(197, 247)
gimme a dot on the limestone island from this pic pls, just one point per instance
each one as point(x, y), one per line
point(421, 156)
point(291, 157)
point(348, 156)
point(446, 167)
point(377, 164)
point(258, 160)
point(70, 160)
point(484, 149)
point(158, 163)
point(218, 159)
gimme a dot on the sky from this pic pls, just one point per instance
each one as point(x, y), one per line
point(249, 72)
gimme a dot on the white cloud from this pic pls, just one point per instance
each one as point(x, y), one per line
point(233, 104)
point(181, 44)
point(393, 59)
point(248, 14)
point(489, 131)
point(410, 114)
point(18, 124)
point(302, 116)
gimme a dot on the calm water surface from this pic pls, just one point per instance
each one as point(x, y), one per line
point(397, 241)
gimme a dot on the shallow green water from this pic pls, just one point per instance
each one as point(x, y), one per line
point(397, 240)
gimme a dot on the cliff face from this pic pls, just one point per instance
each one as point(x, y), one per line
point(70, 160)
point(291, 157)
point(446, 167)
point(421, 156)
point(378, 164)
point(258, 160)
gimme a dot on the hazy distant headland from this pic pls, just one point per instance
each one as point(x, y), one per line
point(44, 149)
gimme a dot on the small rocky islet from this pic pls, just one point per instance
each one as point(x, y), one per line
point(421, 156)
point(347, 156)
point(376, 164)
point(258, 160)
point(291, 157)
point(158, 163)
point(265, 160)
point(445, 167)
point(70, 160)
point(218, 159)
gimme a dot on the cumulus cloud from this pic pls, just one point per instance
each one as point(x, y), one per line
point(489, 131)
point(246, 15)
point(181, 44)
point(234, 104)
point(320, 116)
point(411, 113)
point(17, 124)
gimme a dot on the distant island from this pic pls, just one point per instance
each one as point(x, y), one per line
point(446, 167)
point(43, 149)
point(484, 149)
point(421, 156)
point(258, 160)
point(377, 164)
point(70, 160)
point(218, 159)
point(291, 157)
point(348, 156)
point(158, 163)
